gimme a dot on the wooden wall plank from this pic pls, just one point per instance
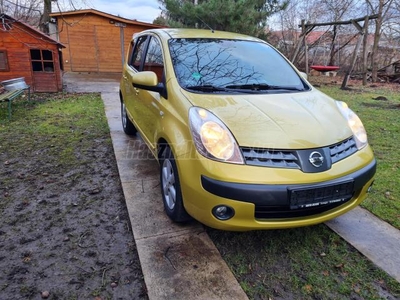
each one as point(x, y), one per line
point(93, 42)
point(109, 48)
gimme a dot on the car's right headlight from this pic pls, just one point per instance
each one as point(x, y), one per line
point(354, 123)
point(212, 138)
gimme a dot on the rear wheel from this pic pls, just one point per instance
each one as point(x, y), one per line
point(127, 125)
point(171, 188)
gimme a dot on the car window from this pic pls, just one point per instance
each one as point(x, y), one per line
point(227, 63)
point(138, 52)
point(154, 58)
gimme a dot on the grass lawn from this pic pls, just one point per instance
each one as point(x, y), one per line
point(382, 121)
point(302, 263)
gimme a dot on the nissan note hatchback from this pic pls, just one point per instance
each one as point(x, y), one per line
point(243, 141)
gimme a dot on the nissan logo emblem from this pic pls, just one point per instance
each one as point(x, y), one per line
point(316, 159)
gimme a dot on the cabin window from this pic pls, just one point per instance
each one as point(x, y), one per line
point(154, 59)
point(3, 61)
point(138, 52)
point(42, 60)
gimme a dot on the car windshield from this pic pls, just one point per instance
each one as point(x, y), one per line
point(221, 65)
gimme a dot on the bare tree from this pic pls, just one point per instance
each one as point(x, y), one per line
point(288, 20)
point(37, 12)
point(23, 10)
point(338, 11)
point(316, 11)
point(382, 8)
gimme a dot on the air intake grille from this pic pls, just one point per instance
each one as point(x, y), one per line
point(296, 159)
point(270, 158)
point(343, 149)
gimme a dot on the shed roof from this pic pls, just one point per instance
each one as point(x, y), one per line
point(105, 15)
point(8, 20)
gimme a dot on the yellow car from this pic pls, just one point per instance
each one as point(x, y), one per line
point(244, 142)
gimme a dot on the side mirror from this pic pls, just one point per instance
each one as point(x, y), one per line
point(147, 80)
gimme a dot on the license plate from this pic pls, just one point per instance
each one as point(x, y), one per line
point(322, 195)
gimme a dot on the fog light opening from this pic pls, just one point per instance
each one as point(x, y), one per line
point(223, 212)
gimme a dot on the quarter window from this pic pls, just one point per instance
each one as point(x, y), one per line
point(154, 59)
point(3, 61)
point(154, 53)
point(42, 60)
point(138, 52)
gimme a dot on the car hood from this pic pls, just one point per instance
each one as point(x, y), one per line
point(281, 121)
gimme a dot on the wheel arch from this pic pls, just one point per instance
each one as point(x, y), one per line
point(161, 144)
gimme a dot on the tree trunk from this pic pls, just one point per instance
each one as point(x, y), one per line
point(365, 52)
point(383, 9)
point(333, 50)
point(45, 19)
point(377, 36)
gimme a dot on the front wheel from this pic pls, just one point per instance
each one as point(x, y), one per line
point(171, 188)
point(127, 125)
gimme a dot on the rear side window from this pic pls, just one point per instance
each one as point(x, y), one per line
point(138, 52)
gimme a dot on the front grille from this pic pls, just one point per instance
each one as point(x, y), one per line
point(343, 149)
point(270, 158)
point(297, 159)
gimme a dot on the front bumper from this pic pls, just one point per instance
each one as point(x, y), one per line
point(294, 200)
point(271, 198)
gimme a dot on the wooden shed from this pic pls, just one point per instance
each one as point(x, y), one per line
point(27, 52)
point(95, 41)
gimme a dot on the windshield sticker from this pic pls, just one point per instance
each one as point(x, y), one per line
point(196, 75)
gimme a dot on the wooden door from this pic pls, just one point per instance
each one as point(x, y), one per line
point(108, 43)
point(83, 49)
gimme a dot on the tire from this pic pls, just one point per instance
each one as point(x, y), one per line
point(127, 125)
point(171, 188)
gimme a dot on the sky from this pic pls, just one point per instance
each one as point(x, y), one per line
point(141, 10)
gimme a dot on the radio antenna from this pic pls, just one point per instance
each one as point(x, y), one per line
point(209, 27)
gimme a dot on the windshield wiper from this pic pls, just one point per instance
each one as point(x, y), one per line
point(206, 88)
point(263, 87)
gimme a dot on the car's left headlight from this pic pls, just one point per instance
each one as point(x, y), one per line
point(354, 123)
point(212, 138)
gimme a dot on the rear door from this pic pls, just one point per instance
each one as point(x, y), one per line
point(134, 65)
point(145, 107)
point(151, 102)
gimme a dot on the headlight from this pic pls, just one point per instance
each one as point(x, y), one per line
point(355, 124)
point(212, 138)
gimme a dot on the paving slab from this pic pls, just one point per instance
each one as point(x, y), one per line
point(374, 238)
point(178, 261)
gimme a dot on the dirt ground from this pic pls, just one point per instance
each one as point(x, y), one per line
point(353, 84)
point(65, 233)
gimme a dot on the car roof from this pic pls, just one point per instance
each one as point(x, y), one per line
point(168, 33)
